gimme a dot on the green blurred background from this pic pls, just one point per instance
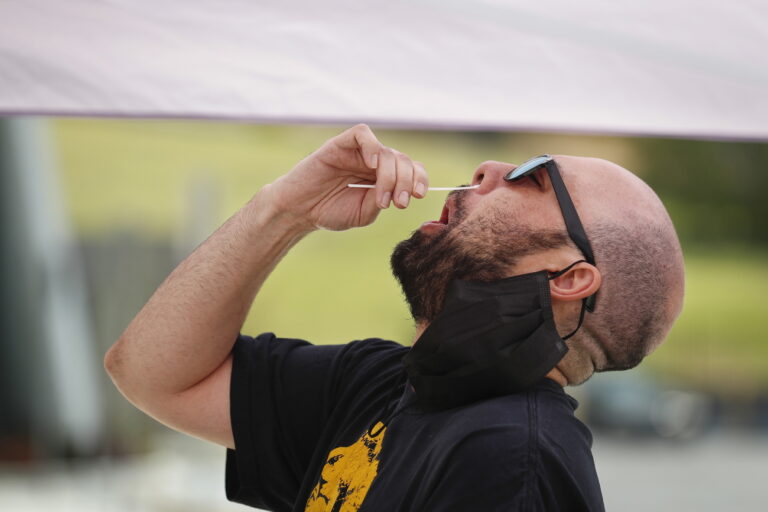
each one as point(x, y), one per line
point(690, 423)
point(163, 182)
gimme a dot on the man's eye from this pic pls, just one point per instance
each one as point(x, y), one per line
point(535, 179)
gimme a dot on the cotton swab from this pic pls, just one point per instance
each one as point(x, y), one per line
point(358, 185)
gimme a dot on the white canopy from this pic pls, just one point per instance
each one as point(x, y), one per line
point(672, 67)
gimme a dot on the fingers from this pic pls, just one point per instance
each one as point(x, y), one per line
point(420, 180)
point(386, 177)
point(361, 137)
point(398, 178)
point(404, 187)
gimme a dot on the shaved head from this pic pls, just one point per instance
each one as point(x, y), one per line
point(639, 256)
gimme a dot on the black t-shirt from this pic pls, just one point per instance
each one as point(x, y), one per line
point(320, 428)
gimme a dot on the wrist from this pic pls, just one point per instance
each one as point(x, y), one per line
point(264, 209)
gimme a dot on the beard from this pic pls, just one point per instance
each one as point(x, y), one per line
point(485, 248)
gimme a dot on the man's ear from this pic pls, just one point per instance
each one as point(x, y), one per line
point(582, 280)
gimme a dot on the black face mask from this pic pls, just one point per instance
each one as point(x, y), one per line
point(490, 339)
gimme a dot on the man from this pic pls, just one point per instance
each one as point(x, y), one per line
point(477, 418)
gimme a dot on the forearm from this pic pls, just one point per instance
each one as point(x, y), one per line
point(189, 325)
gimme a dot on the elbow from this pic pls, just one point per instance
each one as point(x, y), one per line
point(109, 362)
point(112, 361)
point(114, 365)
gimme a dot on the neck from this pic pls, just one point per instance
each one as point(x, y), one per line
point(420, 328)
point(556, 375)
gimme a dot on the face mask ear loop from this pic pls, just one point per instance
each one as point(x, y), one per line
point(583, 301)
point(581, 319)
point(566, 269)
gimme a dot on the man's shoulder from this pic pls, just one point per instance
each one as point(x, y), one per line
point(359, 348)
point(342, 366)
point(375, 347)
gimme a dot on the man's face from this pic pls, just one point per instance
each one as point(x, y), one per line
point(481, 235)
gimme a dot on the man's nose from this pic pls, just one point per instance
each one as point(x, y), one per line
point(490, 175)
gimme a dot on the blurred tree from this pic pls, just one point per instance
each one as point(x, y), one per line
point(714, 190)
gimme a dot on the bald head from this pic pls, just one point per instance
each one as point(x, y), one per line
point(639, 257)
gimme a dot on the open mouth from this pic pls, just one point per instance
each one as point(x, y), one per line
point(434, 225)
point(445, 216)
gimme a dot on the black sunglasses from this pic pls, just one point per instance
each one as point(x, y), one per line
point(572, 221)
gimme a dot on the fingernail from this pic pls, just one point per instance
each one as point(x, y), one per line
point(385, 200)
point(420, 189)
point(374, 161)
point(404, 197)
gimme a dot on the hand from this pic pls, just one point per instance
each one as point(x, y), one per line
point(316, 191)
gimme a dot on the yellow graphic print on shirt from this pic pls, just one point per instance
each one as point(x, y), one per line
point(347, 475)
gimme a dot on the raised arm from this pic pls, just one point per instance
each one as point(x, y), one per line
point(173, 360)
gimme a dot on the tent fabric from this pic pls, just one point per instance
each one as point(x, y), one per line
point(674, 67)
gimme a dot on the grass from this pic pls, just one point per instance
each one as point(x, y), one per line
point(720, 341)
point(154, 177)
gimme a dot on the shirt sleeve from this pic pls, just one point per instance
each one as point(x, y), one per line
point(280, 394)
point(284, 394)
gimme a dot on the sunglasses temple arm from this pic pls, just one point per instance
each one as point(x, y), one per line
point(572, 221)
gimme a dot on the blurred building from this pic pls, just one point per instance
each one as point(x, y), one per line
point(49, 390)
